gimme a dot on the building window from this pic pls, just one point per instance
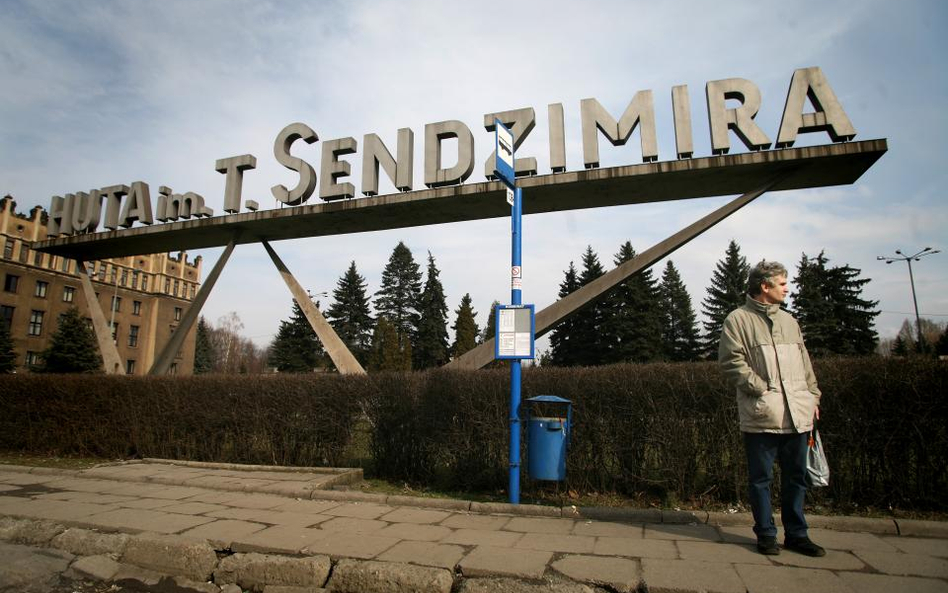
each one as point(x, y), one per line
point(6, 313)
point(116, 303)
point(8, 249)
point(37, 259)
point(41, 288)
point(36, 323)
point(177, 313)
point(144, 283)
point(65, 265)
point(167, 285)
point(124, 279)
point(136, 307)
point(174, 369)
point(133, 335)
point(115, 327)
point(69, 293)
point(135, 276)
point(176, 285)
point(101, 272)
point(10, 283)
point(32, 359)
point(129, 367)
point(24, 252)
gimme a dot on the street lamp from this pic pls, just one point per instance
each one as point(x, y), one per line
point(908, 259)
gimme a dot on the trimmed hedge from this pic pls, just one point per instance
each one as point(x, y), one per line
point(668, 430)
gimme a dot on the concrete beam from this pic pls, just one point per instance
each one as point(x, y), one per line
point(546, 319)
point(168, 353)
point(337, 350)
point(111, 362)
point(731, 174)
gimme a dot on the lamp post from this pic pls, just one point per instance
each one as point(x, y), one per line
point(908, 259)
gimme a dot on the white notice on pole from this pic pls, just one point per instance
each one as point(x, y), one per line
point(510, 196)
point(507, 317)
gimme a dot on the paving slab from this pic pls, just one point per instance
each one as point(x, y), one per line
point(635, 548)
point(743, 534)
point(415, 532)
point(174, 492)
point(920, 545)
point(139, 520)
point(424, 553)
point(309, 507)
point(222, 534)
point(676, 576)
point(618, 573)
point(360, 510)
point(784, 579)
point(720, 552)
point(146, 503)
point(352, 525)
point(920, 528)
point(350, 545)
point(540, 525)
point(192, 508)
point(23, 569)
point(58, 510)
point(479, 522)
point(705, 533)
point(609, 529)
point(846, 540)
point(413, 515)
point(286, 539)
point(490, 560)
point(270, 517)
point(906, 564)
point(481, 537)
point(834, 560)
point(574, 544)
point(880, 583)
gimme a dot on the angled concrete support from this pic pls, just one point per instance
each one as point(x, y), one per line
point(166, 357)
point(337, 350)
point(545, 320)
point(111, 363)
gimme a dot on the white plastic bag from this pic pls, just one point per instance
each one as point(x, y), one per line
point(817, 469)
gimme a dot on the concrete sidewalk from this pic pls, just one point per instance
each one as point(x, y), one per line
point(175, 526)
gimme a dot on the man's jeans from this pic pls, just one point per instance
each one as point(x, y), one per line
point(790, 449)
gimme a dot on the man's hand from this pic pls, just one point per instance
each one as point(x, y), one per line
point(817, 412)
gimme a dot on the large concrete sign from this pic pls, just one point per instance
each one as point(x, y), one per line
point(732, 106)
point(124, 205)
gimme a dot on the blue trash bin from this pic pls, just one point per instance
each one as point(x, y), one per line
point(548, 438)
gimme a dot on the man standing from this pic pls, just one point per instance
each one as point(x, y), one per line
point(765, 362)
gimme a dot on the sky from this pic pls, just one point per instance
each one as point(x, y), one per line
point(102, 92)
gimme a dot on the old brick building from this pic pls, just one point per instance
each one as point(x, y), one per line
point(143, 297)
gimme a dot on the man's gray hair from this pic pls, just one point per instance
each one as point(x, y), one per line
point(765, 271)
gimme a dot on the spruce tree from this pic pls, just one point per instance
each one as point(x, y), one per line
point(296, 349)
point(562, 352)
point(634, 327)
point(833, 316)
point(587, 341)
point(941, 347)
point(465, 328)
point(400, 292)
point(430, 346)
point(7, 353)
point(73, 348)
point(679, 326)
point(389, 351)
point(727, 291)
point(203, 352)
point(349, 315)
point(898, 346)
point(490, 328)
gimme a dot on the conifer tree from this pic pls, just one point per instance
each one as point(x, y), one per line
point(562, 352)
point(898, 346)
point(726, 292)
point(349, 315)
point(203, 352)
point(430, 346)
point(296, 349)
point(588, 343)
point(389, 352)
point(833, 316)
point(73, 348)
point(7, 353)
point(679, 326)
point(490, 328)
point(941, 347)
point(400, 292)
point(634, 328)
point(465, 328)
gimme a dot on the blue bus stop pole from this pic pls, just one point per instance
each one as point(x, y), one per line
point(515, 299)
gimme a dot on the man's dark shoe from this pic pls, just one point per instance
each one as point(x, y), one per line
point(804, 546)
point(768, 546)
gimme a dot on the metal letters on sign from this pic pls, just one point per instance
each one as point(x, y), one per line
point(515, 332)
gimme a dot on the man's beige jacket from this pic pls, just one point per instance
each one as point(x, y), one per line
point(764, 360)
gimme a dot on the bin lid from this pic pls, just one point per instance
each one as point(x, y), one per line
point(549, 398)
